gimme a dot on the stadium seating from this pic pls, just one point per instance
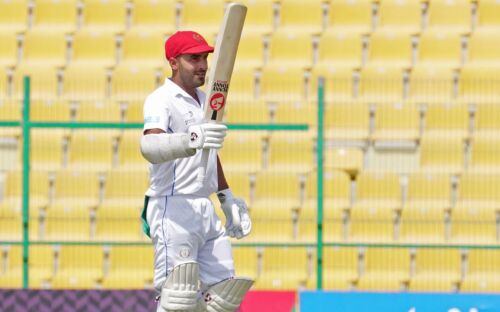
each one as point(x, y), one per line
point(453, 16)
point(141, 49)
point(130, 83)
point(13, 16)
point(488, 15)
point(340, 268)
point(67, 222)
point(119, 223)
point(50, 110)
point(436, 270)
point(291, 153)
point(242, 152)
point(104, 16)
point(259, 18)
point(482, 271)
point(390, 48)
point(297, 16)
point(290, 49)
point(404, 16)
point(447, 121)
point(81, 155)
point(79, 267)
point(484, 155)
point(441, 156)
point(46, 149)
point(154, 16)
point(203, 16)
point(355, 16)
point(8, 53)
point(338, 49)
point(396, 122)
point(128, 147)
point(130, 267)
point(60, 16)
point(439, 48)
point(245, 261)
point(93, 47)
point(380, 84)
point(430, 84)
point(347, 121)
point(385, 269)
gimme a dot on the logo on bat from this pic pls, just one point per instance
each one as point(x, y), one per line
point(220, 86)
point(217, 101)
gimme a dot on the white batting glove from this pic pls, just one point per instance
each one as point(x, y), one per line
point(206, 135)
point(238, 223)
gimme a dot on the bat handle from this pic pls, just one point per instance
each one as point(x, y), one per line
point(202, 170)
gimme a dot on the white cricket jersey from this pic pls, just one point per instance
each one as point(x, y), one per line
point(173, 110)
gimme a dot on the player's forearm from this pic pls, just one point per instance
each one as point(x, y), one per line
point(220, 176)
point(162, 147)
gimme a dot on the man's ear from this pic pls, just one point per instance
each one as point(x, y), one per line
point(174, 63)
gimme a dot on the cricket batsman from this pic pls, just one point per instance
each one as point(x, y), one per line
point(193, 268)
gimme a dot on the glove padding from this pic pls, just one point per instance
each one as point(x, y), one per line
point(238, 223)
point(206, 135)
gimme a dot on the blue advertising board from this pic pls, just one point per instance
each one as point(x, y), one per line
point(319, 301)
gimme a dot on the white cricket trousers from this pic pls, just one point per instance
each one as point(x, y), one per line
point(186, 228)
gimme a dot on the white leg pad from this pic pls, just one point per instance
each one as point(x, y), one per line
point(180, 291)
point(226, 296)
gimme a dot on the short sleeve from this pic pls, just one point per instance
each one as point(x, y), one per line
point(156, 114)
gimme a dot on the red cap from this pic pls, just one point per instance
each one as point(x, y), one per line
point(186, 42)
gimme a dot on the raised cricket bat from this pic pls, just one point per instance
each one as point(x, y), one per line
point(221, 69)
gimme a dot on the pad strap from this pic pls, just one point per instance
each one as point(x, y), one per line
point(226, 296)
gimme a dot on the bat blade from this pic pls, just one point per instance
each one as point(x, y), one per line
point(221, 70)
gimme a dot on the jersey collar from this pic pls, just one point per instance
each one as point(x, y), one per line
point(178, 91)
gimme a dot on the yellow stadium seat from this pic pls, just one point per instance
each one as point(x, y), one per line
point(8, 53)
point(347, 121)
point(243, 84)
point(372, 224)
point(276, 190)
point(10, 110)
point(436, 270)
point(488, 14)
point(154, 16)
point(58, 16)
point(431, 84)
point(250, 51)
point(46, 152)
point(119, 223)
point(340, 267)
point(347, 15)
point(441, 156)
point(283, 268)
point(377, 190)
point(76, 187)
point(390, 48)
point(289, 49)
point(123, 188)
point(41, 261)
point(245, 261)
point(131, 267)
point(422, 224)
point(437, 48)
point(95, 48)
point(105, 16)
point(485, 157)
point(67, 222)
point(84, 83)
point(381, 84)
point(282, 84)
point(292, 153)
point(447, 120)
point(454, 15)
point(90, 150)
point(400, 15)
point(141, 48)
point(479, 84)
point(242, 152)
point(298, 16)
point(38, 189)
point(240, 183)
point(428, 191)
point(13, 16)
point(50, 110)
point(296, 113)
point(396, 122)
point(4, 84)
point(98, 111)
point(43, 81)
point(10, 220)
point(482, 46)
point(259, 18)
point(385, 269)
point(347, 159)
point(478, 191)
point(130, 157)
point(473, 225)
point(338, 84)
point(132, 83)
point(482, 271)
point(486, 120)
point(277, 230)
point(44, 48)
point(80, 267)
point(134, 112)
point(246, 112)
point(307, 226)
point(339, 49)
point(205, 16)
point(336, 190)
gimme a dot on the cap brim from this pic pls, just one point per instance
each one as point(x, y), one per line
point(199, 49)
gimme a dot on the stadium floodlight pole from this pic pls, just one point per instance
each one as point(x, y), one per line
point(320, 155)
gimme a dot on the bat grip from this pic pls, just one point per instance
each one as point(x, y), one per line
point(202, 170)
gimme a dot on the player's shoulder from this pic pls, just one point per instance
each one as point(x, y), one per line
point(159, 95)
